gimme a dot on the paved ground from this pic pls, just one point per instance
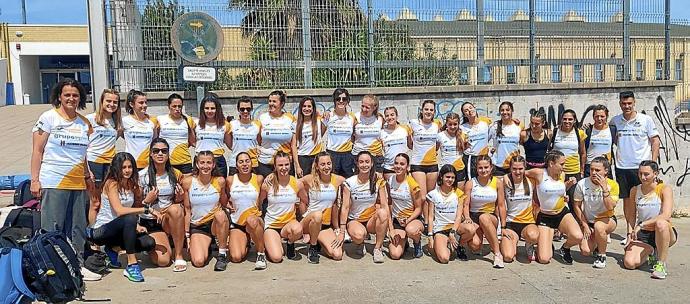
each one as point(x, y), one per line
point(357, 279)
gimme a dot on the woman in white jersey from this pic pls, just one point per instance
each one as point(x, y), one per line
point(365, 206)
point(570, 139)
point(368, 129)
point(178, 130)
point(308, 138)
point(423, 159)
point(243, 192)
point(406, 208)
point(282, 192)
point(504, 136)
point(340, 125)
point(595, 199)
point(164, 181)
point(485, 199)
point(518, 219)
point(445, 210)
point(107, 127)
point(116, 222)
point(476, 130)
point(244, 135)
point(276, 129)
point(58, 165)
point(320, 214)
point(139, 129)
point(213, 132)
point(204, 200)
point(550, 187)
point(600, 138)
point(395, 139)
point(653, 234)
point(450, 144)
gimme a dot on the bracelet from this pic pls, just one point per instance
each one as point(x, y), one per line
point(503, 227)
point(147, 209)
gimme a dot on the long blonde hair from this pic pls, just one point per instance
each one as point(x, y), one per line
point(316, 174)
point(117, 119)
point(273, 178)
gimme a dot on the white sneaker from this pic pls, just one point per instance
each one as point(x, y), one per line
point(88, 275)
point(498, 260)
point(260, 261)
point(378, 255)
point(364, 249)
point(624, 241)
point(600, 261)
point(347, 238)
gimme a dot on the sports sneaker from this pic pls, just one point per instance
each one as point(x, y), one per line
point(221, 262)
point(659, 270)
point(347, 238)
point(600, 261)
point(133, 273)
point(624, 241)
point(378, 255)
point(312, 255)
point(260, 261)
point(290, 251)
point(88, 275)
point(113, 257)
point(418, 253)
point(460, 251)
point(651, 260)
point(531, 252)
point(498, 261)
point(565, 255)
point(364, 249)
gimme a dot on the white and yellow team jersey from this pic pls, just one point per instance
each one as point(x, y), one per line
point(633, 146)
point(519, 204)
point(568, 144)
point(600, 143)
point(244, 139)
point(648, 205)
point(106, 214)
point(363, 202)
point(176, 132)
point(138, 135)
point(448, 150)
point(166, 191)
point(204, 201)
point(243, 197)
point(402, 194)
point(477, 136)
point(276, 135)
point(340, 129)
point(323, 199)
point(366, 135)
point(592, 198)
point(393, 143)
point(551, 195)
point(424, 142)
point(308, 146)
point(64, 155)
point(101, 148)
point(281, 205)
point(212, 137)
point(445, 207)
point(507, 145)
point(483, 197)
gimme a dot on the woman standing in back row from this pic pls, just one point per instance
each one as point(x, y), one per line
point(213, 132)
point(178, 130)
point(244, 135)
point(139, 129)
point(308, 139)
point(340, 125)
point(276, 129)
point(424, 160)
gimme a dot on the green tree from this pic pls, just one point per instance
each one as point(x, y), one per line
point(156, 24)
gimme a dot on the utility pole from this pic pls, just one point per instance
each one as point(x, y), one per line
point(24, 11)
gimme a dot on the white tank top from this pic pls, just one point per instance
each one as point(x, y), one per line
point(507, 145)
point(363, 202)
point(448, 151)
point(309, 146)
point(102, 141)
point(166, 192)
point(204, 200)
point(243, 197)
point(138, 135)
point(477, 136)
point(281, 206)
point(366, 135)
point(106, 214)
point(483, 198)
point(323, 199)
point(445, 208)
point(244, 139)
point(276, 134)
point(340, 130)
point(648, 205)
point(393, 143)
point(424, 142)
point(402, 195)
point(551, 195)
point(519, 205)
point(212, 137)
point(176, 132)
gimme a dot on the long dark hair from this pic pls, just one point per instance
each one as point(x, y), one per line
point(115, 173)
point(315, 130)
point(195, 170)
point(576, 123)
point(151, 170)
point(131, 97)
point(373, 178)
point(552, 156)
point(445, 169)
point(337, 92)
point(465, 119)
point(57, 91)
point(174, 96)
point(525, 181)
point(220, 117)
point(499, 123)
point(421, 109)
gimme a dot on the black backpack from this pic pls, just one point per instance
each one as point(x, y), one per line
point(19, 226)
point(52, 268)
point(23, 193)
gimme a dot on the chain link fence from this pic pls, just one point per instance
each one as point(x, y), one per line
point(384, 43)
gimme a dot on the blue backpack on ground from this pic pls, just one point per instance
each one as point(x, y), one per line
point(52, 267)
point(12, 283)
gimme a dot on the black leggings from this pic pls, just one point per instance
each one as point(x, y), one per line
point(122, 232)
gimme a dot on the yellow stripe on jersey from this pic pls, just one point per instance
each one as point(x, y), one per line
point(143, 159)
point(246, 214)
point(367, 214)
point(458, 164)
point(525, 216)
point(506, 162)
point(74, 179)
point(282, 220)
point(107, 157)
point(430, 157)
point(216, 184)
point(326, 216)
point(209, 216)
point(180, 155)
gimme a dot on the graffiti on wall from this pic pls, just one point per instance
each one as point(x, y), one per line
point(672, 138)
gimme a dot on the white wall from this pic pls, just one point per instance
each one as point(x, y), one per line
point(3, 81)
point(30, 79)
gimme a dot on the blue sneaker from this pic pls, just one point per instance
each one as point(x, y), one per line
point(133, 273)
point(113, 257)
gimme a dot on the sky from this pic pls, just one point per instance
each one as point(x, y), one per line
point(74, 11)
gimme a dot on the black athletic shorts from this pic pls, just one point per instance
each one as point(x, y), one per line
point(425, 168)
point(204, 229)
point(517, 227)
point(396, 224)
point(627, 179)
point(151, 225)
point(446, 232)
point(551, 221)
point(475, 216)
point(649, 237)
point(591, 225)
point(184, 168)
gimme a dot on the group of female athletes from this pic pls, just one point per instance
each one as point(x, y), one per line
point(338, 176)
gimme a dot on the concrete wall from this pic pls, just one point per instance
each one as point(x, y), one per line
point(3, 81)
point(30, 79)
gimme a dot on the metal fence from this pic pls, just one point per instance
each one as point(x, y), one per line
point(386, 43)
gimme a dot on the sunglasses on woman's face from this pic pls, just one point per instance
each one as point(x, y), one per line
point(245, 109)
point(157, 150)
